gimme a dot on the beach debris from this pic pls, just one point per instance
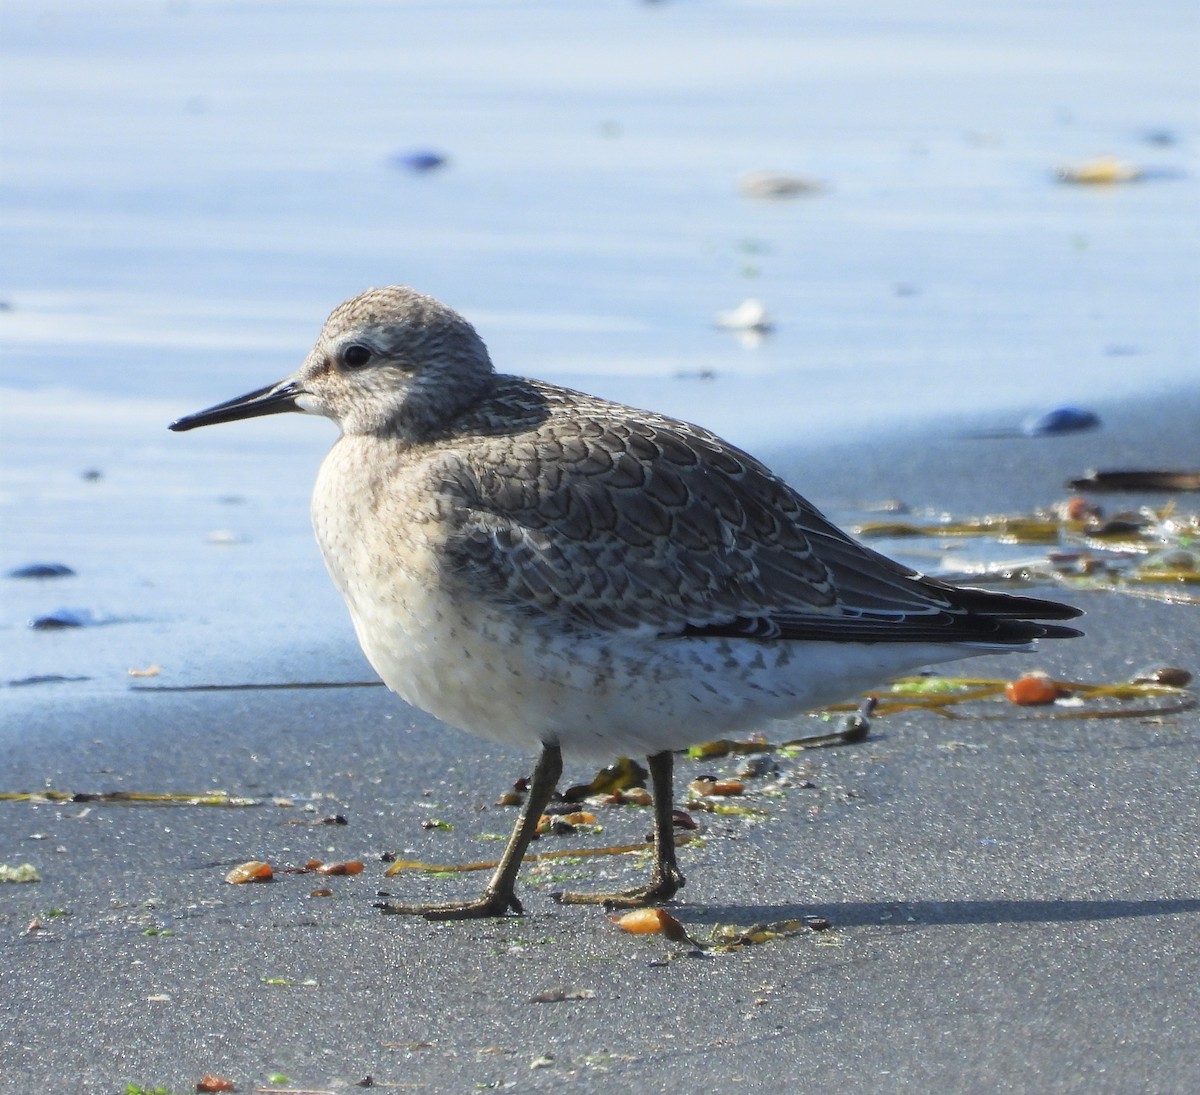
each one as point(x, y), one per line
point(418, 160)
point(1138, 480)
point(318, 866)
point(946, 695)
point(724, 938)
point(681, 819)
point(854, 729)
point(621, 774)
point(1149, 552)
point(211, 1082)
point(149, 671)
point(63, 618)
point(562, 994)
point(730, 937)
point(26, 872)
point(1059, 420)
point(651, 922)
point(324, 891)
point(721, 747)
point(223, 537)
point(778, 184)
point(1049, 423)
point(1170, 675)
point(1163, 138)
point(42, 570)
point(749, 316)
point(253, 871)
point(711, 786)
point(1079, 509)
point(1031, 690)
point(580, 817)
point(568, 824)
point(1099, 171)
point(349, 866)
point(756, 766)
point(328, 819)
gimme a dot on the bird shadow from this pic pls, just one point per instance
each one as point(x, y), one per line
point(851, 914)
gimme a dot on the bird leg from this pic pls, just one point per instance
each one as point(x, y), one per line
point(665, 877)
point(500, 895)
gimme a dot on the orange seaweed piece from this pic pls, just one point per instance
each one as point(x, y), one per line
point(651, 922)
point(1031, 691)
point(350, 866)
point(254, 871)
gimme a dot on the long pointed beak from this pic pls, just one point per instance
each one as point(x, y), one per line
point(273, 399)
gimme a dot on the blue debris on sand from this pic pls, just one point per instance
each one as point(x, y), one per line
point(42, 570)
point(418, 159)
point(45, 678)
point(62, 618)
point(1059, 420)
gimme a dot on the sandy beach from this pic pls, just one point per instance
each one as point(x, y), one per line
point(1013, 901)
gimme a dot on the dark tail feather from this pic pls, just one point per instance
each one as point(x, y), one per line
point(1011, 606)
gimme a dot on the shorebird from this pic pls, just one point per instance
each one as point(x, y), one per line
point(552, 570)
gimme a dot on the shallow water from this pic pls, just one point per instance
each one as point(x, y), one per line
point(189, 187)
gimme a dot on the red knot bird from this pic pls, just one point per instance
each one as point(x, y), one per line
point(551, 570)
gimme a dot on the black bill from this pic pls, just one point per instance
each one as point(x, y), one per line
point(274, 399)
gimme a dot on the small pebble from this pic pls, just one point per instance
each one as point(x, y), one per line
point(755, 766)
point(42, 570)
point(419, 160)
point(750, 315)
point(63, 618)
point(1164, 674)
point(1099, 171)
point(1031, 691)
point(778, 184)
point(1059, 420)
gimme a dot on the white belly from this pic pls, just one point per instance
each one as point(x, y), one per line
point(527, 680)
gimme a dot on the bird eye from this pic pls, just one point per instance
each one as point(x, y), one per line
point(356, 356)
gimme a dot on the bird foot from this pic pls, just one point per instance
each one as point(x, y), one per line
point(488, 905)
point(661, 888)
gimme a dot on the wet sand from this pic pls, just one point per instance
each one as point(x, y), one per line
point(1014, 902)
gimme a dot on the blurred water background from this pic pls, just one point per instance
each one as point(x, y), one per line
point(189, 187)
